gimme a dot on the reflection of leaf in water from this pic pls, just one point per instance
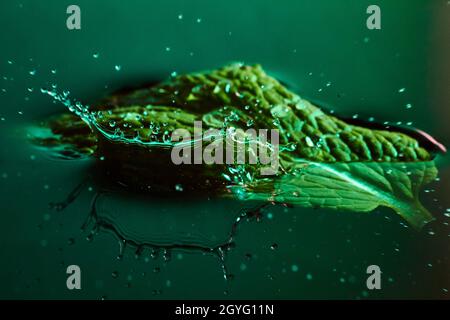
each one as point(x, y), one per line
point(356, 186)
point(165, 225)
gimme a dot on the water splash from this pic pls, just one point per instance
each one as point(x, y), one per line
point(111, 131)
point(76, 107)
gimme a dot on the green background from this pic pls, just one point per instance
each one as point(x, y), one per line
point(321, 49)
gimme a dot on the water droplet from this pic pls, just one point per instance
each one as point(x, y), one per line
point(309, 142)
point(276, 122)
point(167, 255)
point(112, 123)
point(90, 237)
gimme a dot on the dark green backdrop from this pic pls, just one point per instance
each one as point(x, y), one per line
point(320, 48)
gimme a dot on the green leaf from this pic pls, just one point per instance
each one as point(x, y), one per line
point(326, 161)
point(354, 186)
